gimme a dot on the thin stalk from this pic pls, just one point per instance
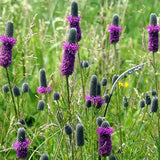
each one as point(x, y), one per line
point(81, 153)
point(10, 88)
point(83, 87)
point(69, 109)
point(18, 107)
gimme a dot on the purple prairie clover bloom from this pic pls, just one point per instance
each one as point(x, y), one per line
point(21, 148)
point(43, 90)
point(153, 43)
point(105, 143)
point(74, 23)
point(6, 50)
point(67, 65)
point(114, 33)
point(98, 101)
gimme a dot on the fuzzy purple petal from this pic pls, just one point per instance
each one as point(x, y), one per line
point(6, 50)
point(67, 65)
point(153, 43)
point(74, 23)
point(21, 148)
point(43, 90)
point(114, 33)
point(105, 143)
point(95, 100)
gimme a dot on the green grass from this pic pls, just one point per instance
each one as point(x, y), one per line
point(41, 27)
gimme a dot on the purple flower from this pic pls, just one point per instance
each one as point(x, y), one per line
point(105, 143)
point(114, 33)
point(6, 50)
point(21, 148)
point(68, 60)
point(153, 43)
point(98, 101)
point(74, 23)
point(43, 90)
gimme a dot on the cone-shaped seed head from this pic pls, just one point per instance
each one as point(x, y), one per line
point(41, 105)
point(79, 135)
point(88, 104)
point(104, 81)
point(105, 124)
point(44, 156)
point(68, 129)
point(142, 103)
point(99, 121)
point(93, 86)
point(5, 88)
point(9, 29)
point(42, 78)
point(56, 95)
point(72, 35)
point(125, 101)
point(153, 19)
point(74, 8)
point(154, 104)
point(114, 78)
point(25, 87)
point(115, 20)
point(147, 99)
point(22, 121)
point(106, 98)
point(98, 89)
point(16, 91)
point(112, 157)
point(21, 134)
point(154, 92)
point(85, 64)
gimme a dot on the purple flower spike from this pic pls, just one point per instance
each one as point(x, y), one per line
point(114, 33)
point(43, 90)
point(68, 60)
point(105, 143)
point(153, 43)
point(74, 23)
point(98, 101)
point(6, 50)
point(21, 148)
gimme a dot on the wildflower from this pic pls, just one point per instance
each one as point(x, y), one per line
point(5, 88)
point(88, 103)
point(114, 78)
point(84, 64)
point(8, 42)
point(147, 99)
point(153, 30)
point(98, 89)
point(79, 134)
point(154, 92)
point(21, 145)
point(126, 84)
point(44, 156)
point(105, 143)
point(70, 48)
point(114, 29)
point(154, 104)
point(125, 101)
point(104, 81)
point(22, 121)
point(99, 121)
point(68, 129)
point(25, 87)
point(56, 96)
point(112, 157)
point(41, 105)
point(142, 103)
point(16, 91)
point(74, 19)
point(106, 98)
point(42, 89)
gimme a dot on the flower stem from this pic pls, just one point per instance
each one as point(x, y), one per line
point(10, 88)
point(69, 109)
point(83, 87)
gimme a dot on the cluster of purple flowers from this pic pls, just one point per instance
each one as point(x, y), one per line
point(105, 143)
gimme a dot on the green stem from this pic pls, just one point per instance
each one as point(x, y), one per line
point(10, 88)
point(83, 87)
point(18, 107)
point(81, 153)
